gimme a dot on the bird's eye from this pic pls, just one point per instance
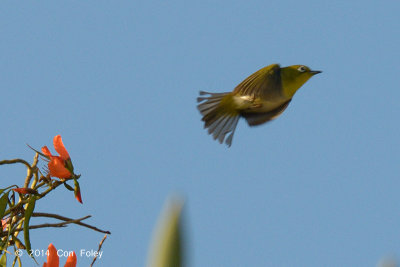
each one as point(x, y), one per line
point(302, 69)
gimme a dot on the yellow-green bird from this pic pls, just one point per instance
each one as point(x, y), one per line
point(260, 98)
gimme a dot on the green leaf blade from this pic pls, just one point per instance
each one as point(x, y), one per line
point(3, 204)
point(167, 248)
point(3, 260)
point(28, 214)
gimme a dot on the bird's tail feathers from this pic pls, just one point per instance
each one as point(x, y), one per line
point(217, 117)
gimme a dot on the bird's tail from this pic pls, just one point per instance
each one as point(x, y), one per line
point(218, 115)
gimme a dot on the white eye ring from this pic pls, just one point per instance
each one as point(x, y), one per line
point(302, 69)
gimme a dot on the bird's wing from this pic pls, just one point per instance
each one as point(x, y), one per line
point(254, 118)
point(264, 83)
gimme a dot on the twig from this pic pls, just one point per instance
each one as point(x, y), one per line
point(12, 161)
point(63, 224)
point(62, 218)
point(98, 250)
point(31, 170)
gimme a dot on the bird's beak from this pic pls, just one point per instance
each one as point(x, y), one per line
point(313, 72)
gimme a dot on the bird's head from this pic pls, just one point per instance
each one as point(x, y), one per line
point(293, 77)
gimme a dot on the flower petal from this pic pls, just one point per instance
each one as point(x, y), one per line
point(57, 168)
point(46, 151)
point(52, 257)
point(60, 148)
point(71, 260)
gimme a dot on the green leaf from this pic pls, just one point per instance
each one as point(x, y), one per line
point(68, 187)
point(167, 250)
point(3, 260)
point(3, 204)
point(28, 214)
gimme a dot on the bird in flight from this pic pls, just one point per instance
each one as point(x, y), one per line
point(260, 98)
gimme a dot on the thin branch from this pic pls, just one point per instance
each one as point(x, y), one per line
point(13, 161)
point(98, 250)
point(31, 170)
point(62, 218)
point(63, 224)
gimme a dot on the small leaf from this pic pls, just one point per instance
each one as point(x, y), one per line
point(28, 214)
point(68, 187)
point(3, 204)
point(3, 260)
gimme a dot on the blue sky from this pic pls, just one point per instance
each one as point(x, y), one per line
point(119, 80)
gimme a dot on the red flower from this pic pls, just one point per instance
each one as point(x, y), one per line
point(4, 223)
point(25, 190)
point(53, 260)
point(59, 166)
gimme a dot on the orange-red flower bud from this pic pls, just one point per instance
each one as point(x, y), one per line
point(71, 260)
point(77, 191)
point(53, 260)
point(25, 190)
point(78, 197)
